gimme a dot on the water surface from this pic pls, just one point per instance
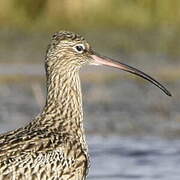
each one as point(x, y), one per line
point(127, 158)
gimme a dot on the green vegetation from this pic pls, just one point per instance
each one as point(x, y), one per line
point(139, 14)
point(143, 25)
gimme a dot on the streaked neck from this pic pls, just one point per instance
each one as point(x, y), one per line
point(63, 110)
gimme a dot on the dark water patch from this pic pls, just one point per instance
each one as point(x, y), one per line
point(126, 158)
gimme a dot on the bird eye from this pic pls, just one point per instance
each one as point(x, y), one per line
point(79, 48)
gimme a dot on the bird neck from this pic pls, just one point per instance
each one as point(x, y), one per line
point(63, 110)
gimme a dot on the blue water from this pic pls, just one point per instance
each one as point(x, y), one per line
point(119, 158)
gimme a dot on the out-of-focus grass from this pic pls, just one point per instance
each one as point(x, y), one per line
point(17, 78)
point(96, 13)
point(169, 74)
point(130, 25)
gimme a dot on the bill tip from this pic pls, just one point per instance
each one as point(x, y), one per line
point(169, 94)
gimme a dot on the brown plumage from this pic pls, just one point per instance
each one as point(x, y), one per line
point(53, 146)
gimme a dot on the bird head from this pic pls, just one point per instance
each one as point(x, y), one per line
point(71, 51)
point(68, 50)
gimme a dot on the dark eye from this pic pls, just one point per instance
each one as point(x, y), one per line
point(79, 48)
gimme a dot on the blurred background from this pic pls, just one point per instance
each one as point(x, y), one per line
point(129, 122)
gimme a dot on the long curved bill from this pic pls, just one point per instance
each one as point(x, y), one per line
point(101, 60)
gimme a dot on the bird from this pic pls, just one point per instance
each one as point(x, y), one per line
point(53, 145)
